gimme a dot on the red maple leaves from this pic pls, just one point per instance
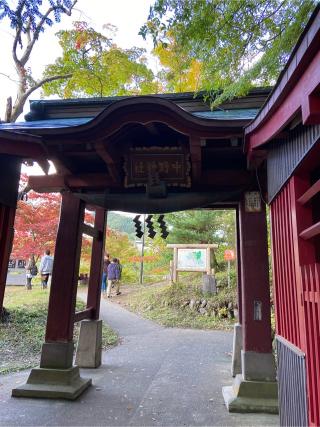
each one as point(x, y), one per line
point(36, 224)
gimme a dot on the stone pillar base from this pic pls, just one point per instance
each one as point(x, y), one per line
point(89, 346)
point(251, 396)
point(53, 384)
point(258, 366)
point(236, 350)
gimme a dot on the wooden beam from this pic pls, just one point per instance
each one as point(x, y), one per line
point(263, 130)
point(61, 168)
point(226, 177)
point(109, 161)
point(195, 154)
point(100, 181)
point(310, 232)
point(56, 183)
point(84, 314)
point(152, 128)
point(307, 196)
point(91, 231)
point(27, 150)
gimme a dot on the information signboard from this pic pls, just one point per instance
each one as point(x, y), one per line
point(192, 259)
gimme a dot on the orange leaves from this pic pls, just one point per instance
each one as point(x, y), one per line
point(146, 258)
point(36, 224)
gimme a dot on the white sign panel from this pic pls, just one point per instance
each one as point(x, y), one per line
point(192, 260)
point(252, 201)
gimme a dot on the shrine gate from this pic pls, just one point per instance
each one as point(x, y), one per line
point(164, 153)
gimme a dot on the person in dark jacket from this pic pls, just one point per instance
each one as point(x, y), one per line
point(113, 276)
point(106, 262)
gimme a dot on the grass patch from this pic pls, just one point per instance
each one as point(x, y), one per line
point(23, 329)
point(164, 304)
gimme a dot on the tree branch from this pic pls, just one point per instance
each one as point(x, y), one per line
point(10, 78)
point(26, 55)
point(47, 80)
point(18, 107)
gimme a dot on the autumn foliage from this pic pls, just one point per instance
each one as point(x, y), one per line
point(36, 224)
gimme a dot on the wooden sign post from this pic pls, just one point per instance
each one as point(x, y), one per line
point(191, 257)
point(229, 256)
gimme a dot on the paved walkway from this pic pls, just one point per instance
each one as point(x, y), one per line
point(155, 377)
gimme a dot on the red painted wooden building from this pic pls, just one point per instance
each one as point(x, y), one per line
point(285, 136)
point(262, 147)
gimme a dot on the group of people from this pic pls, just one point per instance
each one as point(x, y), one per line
point(45, 269)
point(112, 270)
point(111, 274)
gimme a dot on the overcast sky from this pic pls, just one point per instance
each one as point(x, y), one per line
point(127, 15)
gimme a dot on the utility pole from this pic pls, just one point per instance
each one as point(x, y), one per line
point(142, 250)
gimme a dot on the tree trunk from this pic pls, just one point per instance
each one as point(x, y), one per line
point(7, 117)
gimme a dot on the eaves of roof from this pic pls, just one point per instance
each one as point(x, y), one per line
point(304, 50)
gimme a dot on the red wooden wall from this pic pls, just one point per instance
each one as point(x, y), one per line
point(296, 277)
point(284, 274)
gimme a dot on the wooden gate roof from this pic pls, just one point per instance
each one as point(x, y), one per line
point(90, 141)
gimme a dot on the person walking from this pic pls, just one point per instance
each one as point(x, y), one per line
point(113, 275)
point(46, 265)
point(106, 262)
point(119, 280)
point(31, 271)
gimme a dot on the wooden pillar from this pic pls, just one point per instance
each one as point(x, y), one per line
point(94, 289)
point(65, 270)
point(175, 265)
point(255, 389)
point(238, 259)
point(257, 360)
point(9, 183)
point(236, 367)
point(208, 261)
point(89, 348)
point(57, 377)
point(196, 157)
point(7, 215)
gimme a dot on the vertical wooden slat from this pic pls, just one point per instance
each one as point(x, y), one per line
point(311, 286)
point(283, 268)
point(287, 244)
point(292, 384)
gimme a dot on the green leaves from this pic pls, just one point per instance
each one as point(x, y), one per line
point(239, 43)
point(98, 66)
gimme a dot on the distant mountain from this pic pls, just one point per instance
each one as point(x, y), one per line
point(121, 223)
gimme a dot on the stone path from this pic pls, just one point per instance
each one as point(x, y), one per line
point(155, 377)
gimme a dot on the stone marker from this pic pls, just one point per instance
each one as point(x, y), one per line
point(209, 284)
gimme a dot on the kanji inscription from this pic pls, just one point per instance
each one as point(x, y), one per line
point(252, 201)
point(171, 164)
